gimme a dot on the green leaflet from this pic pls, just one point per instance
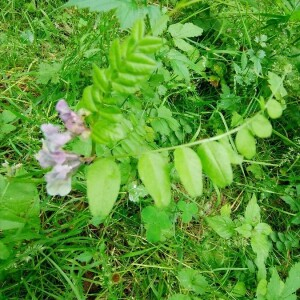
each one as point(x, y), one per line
point(216, 163)
point(153, 171)
point(261, 126)
point(274, 109)
point(189, 168)
point(245, 143)
point(103, 185)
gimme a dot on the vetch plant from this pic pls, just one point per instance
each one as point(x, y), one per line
point(63, 163)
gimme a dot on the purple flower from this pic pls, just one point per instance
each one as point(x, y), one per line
point(59, 180)
point(72, 120)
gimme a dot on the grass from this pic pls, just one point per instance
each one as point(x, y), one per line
point(46, 54)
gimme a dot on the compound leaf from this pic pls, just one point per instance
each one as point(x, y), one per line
point(245, 143)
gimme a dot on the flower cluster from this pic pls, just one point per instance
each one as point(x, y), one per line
point(63, 163)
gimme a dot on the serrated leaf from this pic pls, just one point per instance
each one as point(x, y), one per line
point(186, 30)
point(245, 230)
point(261, 126)
point(292, 283)
point(216, 163)
point(189, 168)
point(274, 287)
point(274, 109)
point(222, 225)
point(245, 143)
point(263, 228)
point(252, 212)
point(189, 210)
point(153, 171)
point(103, 184)
point(183, 45)
point(158, 224)
point(192, 280)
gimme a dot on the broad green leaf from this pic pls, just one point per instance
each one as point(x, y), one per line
point(245, 230)
point(225, 210)
point(192, 280)
point(263, 228)
point(234, 157)
point(275, 287)
point(103, 184)
point(239, 290)
point(7, 116)
point(261, 126)
point(292, 284)
point(189, 168)
point(276, 85)
point(189, 210)
point(153, 171)
point(274, 109)
point(245, 143)
point(186, 30)
point(216, 163)
point(252, 212)
point(262, 288)
point(19, 203)
point(183, 45)
point(222, 225)
point(157, 223)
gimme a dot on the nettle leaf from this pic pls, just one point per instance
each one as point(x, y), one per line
point(216, 163)
point(222, 225)
point(189, 210)
point(276, 85)
point(48, 72)
point(186, 30)
point(261, 247)
point(245, 230)
point(261, 126)
point(157, 223)
point(192, 280)
point(274, 109)
point(103, 184)
point(292, 284)
point(154, 173)
point(275, 286)
point(19, 204)
point(252, 212)
point(263, 228)
point(189, 168)
point(245, 143)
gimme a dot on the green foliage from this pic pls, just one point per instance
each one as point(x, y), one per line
point(188, 210)
point(153, 171)
point(157, 223)
point(103, 185)
point(6, 119)
point(49, 73)
point(189, 168)
point(193, 281)
point(276, 289)
point(216, 163)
